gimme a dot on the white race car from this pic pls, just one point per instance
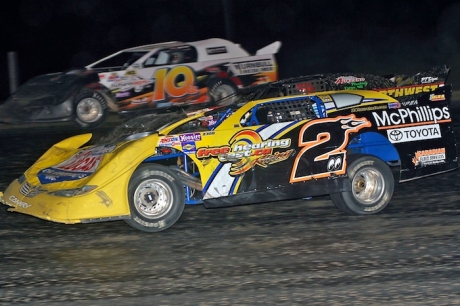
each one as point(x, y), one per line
point(143, 78)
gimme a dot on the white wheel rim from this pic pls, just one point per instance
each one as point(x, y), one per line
point(222, 92)
point(89, 110)
point(368, 186)
point(153, 198)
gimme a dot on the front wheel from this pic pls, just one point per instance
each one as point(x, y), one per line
point(90, 109)
point(372, 186)
point(156, 198)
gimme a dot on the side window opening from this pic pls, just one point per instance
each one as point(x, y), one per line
point(206, 123)
point(281, 111)
point(123, 59)
point(162, 58)
point(174, 56)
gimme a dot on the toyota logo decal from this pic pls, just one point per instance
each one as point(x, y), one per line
point(395, 135)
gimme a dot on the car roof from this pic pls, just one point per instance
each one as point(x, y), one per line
point(207, 49)
point(154, 46)
point(232, 48)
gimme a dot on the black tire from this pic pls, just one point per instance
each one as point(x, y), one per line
point(222, 92)
point(372, 186)
point(90, 108)
point(156, 198)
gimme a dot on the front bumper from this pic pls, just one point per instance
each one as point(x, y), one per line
point(12, 112)
point(92, 207)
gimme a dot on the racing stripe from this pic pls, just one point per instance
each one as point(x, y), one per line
point(273, 130)
point(221, 184)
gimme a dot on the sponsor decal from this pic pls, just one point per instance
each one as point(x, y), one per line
point(122, 94)
point(216, 50)
point(113, 77)
point(394, 105)
point(252, 67)
point(434, 97)
point(18, 203)
point(247, 149)
point(188, 147)
point(348, 80)
point(368, 108)
point(213, 69)
point(326, 98)
point(133, 82)
point(140, 101)
point(415, 133)
point(403, 116)
point(169, 141)
point(428, 79)
point(355, 85)
point(190, 137)
point(425, 158)
point(408, 90)
point(86, 160)
point(80, 165)
point(335, 163)
point(270, 159)
point(409, 103)
point(130, 72)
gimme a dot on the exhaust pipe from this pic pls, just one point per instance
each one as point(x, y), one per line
point(187, 178)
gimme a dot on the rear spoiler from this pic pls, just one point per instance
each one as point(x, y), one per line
point(270, 49)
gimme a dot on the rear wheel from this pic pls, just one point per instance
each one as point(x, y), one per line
point(372, 186)
point(90, 109)
point(156, 198)
point(223, 92)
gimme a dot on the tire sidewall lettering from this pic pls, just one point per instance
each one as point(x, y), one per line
point(161, 173)
point(85, 94)
point(379, 204)
point(160, 224)
point(359, 166)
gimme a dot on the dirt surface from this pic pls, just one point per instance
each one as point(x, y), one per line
point(303, 252)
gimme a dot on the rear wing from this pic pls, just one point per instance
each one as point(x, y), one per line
point(270, 49)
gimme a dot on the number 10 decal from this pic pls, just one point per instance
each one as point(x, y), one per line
point(165, 82)
point(322, 144)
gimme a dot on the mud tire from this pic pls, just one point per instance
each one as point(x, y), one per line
point(372, 186)
point(90, 109)
point(223, 92)
point(156, 198)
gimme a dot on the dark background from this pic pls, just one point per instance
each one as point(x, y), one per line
point(378, 37)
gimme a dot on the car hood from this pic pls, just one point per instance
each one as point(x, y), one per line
point(42, 91)
point(69, 163)
point(52, 84)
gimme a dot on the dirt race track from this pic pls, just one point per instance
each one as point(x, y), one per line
point(303, 252)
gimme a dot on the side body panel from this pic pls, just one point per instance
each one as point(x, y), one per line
point(304, 158)
point(163, 86)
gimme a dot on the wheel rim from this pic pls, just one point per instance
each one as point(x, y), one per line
point(89, 110)
point(368, 186)
point(222, 92)
point(153, 198)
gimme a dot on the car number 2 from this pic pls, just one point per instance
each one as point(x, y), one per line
point(323, 144)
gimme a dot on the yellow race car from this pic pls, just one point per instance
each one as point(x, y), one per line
point(352, 145)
